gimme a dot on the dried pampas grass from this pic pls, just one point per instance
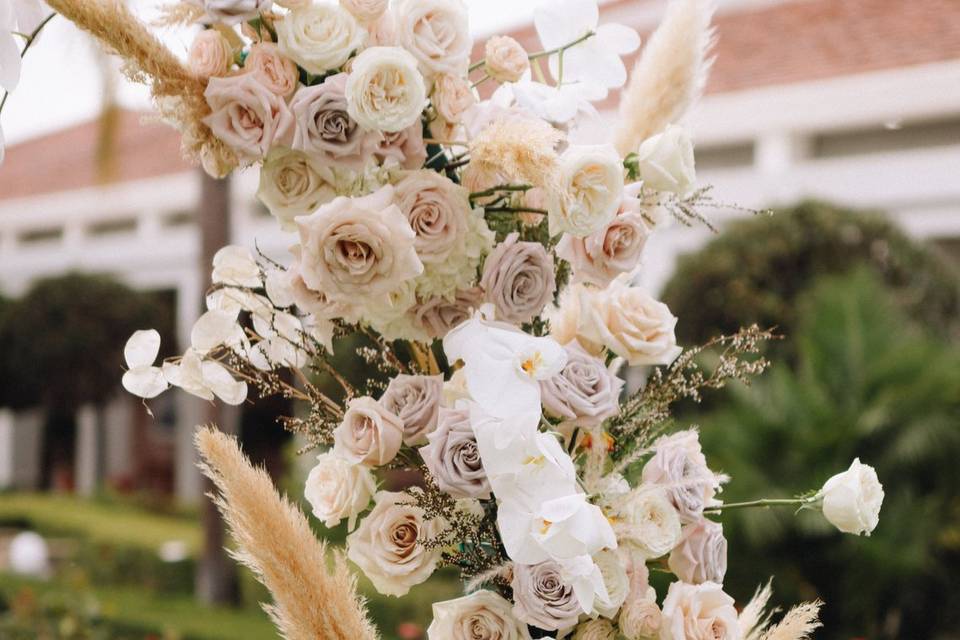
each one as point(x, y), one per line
point(177, 93)
point(670, 74)
point(521, 150)
point(801, 621)
point(275, 541)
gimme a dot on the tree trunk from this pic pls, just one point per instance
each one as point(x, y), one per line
point(216, 580)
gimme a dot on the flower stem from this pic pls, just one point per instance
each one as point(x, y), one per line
point(30, 39)
point(550, 52)
point(515, 210)
point(763, 502)
point(503, 187)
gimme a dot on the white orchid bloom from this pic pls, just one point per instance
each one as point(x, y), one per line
point(204, 379)
point(503, 366)
point(558, 105)
point(142, 379)
point(10, 61)
point(595, 62)
point(234, 265)
point(586, 578)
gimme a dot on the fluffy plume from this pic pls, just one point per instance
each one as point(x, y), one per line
point(180, 13)
point(670, 74)
point(798, 624)
point(520, 150)
point(178, 94)
point(274, 540)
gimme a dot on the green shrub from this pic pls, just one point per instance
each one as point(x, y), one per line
point(867, 382)
point(755, 269)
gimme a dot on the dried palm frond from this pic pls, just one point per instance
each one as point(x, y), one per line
point(274, 540)
point(177, 93)
point(755, 621)
point(670, 74)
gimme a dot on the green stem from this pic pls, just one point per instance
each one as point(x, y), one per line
point(573, 441)
point(544, 54)
point(504, 187)
point(30, 40)
point(515, 210)
point(763, 502)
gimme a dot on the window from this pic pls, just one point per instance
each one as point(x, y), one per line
point(887, 138)
point(727, 156)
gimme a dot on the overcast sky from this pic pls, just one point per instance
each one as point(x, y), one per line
point(61, 84)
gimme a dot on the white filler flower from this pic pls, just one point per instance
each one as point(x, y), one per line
point(142, 379)
point(852, 499)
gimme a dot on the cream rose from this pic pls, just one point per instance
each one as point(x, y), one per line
point(542, 598)
point(454, 458)
point(416, 401)
point(647, 521)
point(366, 10)
point(437, 33)
point(235, 11)
point(592, 188)
point(640, 617)
point(388, 545)
point(323, 128)
point(292, 184)
point(615, 580)
point(679, 466)
point(357, 247)
point(630, 323)
point(585, 392)
point(368, 434)
point(666, 161)
point(519, 279)
point(438, 315)
point(482, 615)
point(383, 31)
point(274, 71)
point(385, 91)
point(404, 148)
point(337, 489)
point(246, 115)
point(598, 629)
point(452, 97)
point(505, 59)
point(698, 612)
point(852, 499)
point(437, 210)
point(210, 54)
point(319, 37)
point(701, 555)
point(615, 249)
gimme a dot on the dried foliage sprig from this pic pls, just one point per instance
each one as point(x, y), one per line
point(275, 541)
point(518, 150)
point(670, 74)
point(644, 415)
point(798, 624)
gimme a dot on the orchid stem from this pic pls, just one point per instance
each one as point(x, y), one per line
point(30, 39)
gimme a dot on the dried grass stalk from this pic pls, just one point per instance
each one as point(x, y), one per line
point(519, 149)
point(755, 620)
point(670, 74)
point(311, 601)
point(179, 14)
point(177, 93)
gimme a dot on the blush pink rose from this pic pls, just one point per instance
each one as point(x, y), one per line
point(369, 434)
point(246, 115)
point(210, 54)
point(273, 70)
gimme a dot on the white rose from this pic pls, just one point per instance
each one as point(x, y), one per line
point(319, 37)
point(437, 33)
point(698, 612)
point(598, 629)
point(293, 184)
point(629, 322)
point(666, 161)
point(852, 499)
point(337, 489)
point(482, 615)
point(385, 91)
point(592, 181)
point(366, 11)
point(388, 544)
point(647, 521)
point(615, 580)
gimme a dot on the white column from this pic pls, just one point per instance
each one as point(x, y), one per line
point(87, 461)
point(7, 451)
point(775, 155)
point(188, 483)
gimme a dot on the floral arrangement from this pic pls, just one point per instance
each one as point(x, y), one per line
point(478, 258)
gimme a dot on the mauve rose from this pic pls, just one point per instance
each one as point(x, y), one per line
point(415, 400)
point(274, 70)
point(506, 60)
point(404, 147)
point(369, 434)
point(698, 612)
point(316, 303)
point(518, 278)
point(210, 54)
point(323, 127)
point(438, 315)
point(234, 11)
point(679, 466)
point(453, 457)
point(437, 210)
point(617, 248)
point(246, 115)
point(541, 597)
point(353, 248)
point(701, 555)
point(585, 392)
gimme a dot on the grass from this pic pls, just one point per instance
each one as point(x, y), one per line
point(106, 522)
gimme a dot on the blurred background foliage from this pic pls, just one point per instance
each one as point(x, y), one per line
point(868, 368)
